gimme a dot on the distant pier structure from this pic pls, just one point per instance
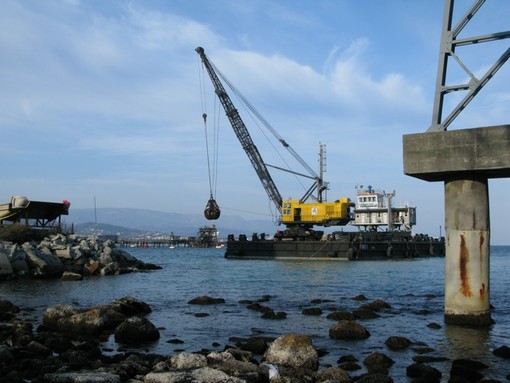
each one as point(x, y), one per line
point(464, 160)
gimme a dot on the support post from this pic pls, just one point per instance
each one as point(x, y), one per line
point(464, 160)
point(467, 282)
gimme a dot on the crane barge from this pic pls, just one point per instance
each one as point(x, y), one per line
point(300, 216)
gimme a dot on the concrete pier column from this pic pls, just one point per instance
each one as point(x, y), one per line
point(467, 224)
point(464, 160)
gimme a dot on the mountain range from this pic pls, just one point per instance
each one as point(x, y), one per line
point(131, 222)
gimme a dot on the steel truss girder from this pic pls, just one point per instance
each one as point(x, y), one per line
point(449, 42)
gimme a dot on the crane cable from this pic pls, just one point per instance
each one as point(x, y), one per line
point(258, 119)
point(212, 210)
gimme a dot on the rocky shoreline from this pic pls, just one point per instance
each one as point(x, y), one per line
point(70, 257)
point(69, 343)
point(67, 348)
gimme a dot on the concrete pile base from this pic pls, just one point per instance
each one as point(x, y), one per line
point(464, 160)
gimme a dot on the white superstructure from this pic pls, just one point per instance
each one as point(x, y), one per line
point(374, 211)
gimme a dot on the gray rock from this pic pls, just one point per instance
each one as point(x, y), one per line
point(397, 342)
point(210, 375)
point(255, 344)
point(52, 314)
point(424, 373)
point(206, 300)
point(70, 276)
point(333, 374)
point(110, 269)
point(42, 263)
point(340, 315)
point(226, 362)
point(131, 306)
point(200, 375)
point(312, 311)
point(85, 324)
point(378, 362)
point(293, 350)
point(136, 330)
point(63, 253)
point(376, 305)
point(6, 268)
point(82, 377)
point(374, 378)
point(348, 330)
point(365, 313)
point(187, 361)
point(5, 353)
point(18, 260)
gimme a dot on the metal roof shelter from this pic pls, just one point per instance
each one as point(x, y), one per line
point(34, 213)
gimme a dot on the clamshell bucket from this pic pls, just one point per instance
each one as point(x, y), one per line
point(212, 210)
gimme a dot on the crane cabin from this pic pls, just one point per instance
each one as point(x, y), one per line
point(374, 210)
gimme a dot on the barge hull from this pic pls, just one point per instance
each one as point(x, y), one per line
point(346, 250)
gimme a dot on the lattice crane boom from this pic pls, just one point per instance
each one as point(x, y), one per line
point(242, 133)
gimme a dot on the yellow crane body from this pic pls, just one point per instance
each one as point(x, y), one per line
point(316, 213)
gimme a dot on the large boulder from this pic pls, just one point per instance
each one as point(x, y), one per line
point(52, 314)
point(346, 329)
point(503, 352)
point(82, 325)
point(131, 306)
point(206, 300)
point(8, 310)
point(293, 350)
point(187, 361)
point(226, 361)
point(6, 268)
point(397, 342)
point(42, 262)
point(378, 362)
point(333, 374)
point(136, 330)
point(82, 376)
point(18, 260)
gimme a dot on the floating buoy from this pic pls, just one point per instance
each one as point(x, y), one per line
point(212, 210)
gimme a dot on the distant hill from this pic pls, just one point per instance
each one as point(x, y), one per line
point(130, 222)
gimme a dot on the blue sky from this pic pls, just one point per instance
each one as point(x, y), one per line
point(101, 99)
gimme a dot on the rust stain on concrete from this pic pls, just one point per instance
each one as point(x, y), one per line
point(483, 292)
point(465, 286)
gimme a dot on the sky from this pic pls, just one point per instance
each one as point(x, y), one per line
point(103, 100)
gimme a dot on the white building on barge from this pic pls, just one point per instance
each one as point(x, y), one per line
point(374, 211)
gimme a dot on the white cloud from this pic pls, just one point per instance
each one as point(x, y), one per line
point(105, 95)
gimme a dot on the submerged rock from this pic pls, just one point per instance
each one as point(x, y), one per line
point(206, 300)
point(397, 342)
point(378, 362)
point(346, 329)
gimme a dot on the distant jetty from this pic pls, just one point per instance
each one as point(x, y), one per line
point(67, 257)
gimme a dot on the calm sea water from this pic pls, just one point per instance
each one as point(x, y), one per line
point(409, 286)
